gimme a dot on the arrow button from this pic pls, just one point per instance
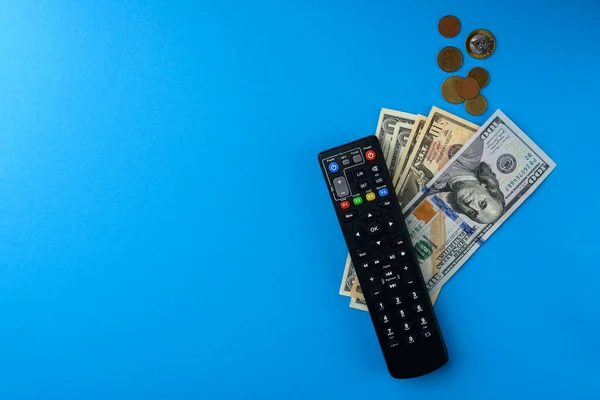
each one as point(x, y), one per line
point(358, 234)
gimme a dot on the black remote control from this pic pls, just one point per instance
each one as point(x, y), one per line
point(387, 269)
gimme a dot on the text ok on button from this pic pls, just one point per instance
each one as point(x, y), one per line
point(374, 228)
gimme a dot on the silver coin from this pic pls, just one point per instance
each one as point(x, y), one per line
point(480, 44)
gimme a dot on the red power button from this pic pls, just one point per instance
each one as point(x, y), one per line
point(370, 155)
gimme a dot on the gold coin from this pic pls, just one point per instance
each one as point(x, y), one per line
point(481, 76)
point(449, 90)
point(481, 44)
point(450, 59)
point(476, 106)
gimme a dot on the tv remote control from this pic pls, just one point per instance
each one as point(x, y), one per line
point(386, 266)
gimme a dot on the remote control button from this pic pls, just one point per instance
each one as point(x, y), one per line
point(378, 181)
point(377, 243)
point(357, 201)
point(392, 286)
point(362, 254)
point(364, 265)
point(383, 192)
point(373, 285)
point(405, 267)
point(408, 279)
point(393, 344)
point(390, 224)
point(397, 300)
point(427, 333)
point(401, 254)
point(375, 169)
point(414, 295)
point(369, 216)
point(410, 339)
point(341, 186)
point(376, 262)
point(364, 185)
point(423, 321)
point(385, 203)
point(357, 158)
point(418, 308)
point(374, 228)
point(389, 332)
point(370, 155)
point(385, 319)
point(388, 274)
point(344, 205)
point(345, 161)
point(391, 257)
point(406, 326)
point(380, 305)
point(359, 173)
point(401, 313)
point(358, 234)
point(349, 216)
point(333, 167)
point(370, 196)
point(398, 242)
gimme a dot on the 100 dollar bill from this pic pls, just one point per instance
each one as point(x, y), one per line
point(472, 195)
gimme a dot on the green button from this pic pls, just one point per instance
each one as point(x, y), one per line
point(357, 201)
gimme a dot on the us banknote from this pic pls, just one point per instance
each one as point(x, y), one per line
point(412, 140)
point(472, 195)
point(443, 135)
point(388, 119)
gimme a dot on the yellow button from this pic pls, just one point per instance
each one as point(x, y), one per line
point(370, 196)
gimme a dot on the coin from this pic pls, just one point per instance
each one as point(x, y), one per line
point(468, 88)
point(481, 44)
point(449, 26)
point(476, 106)
point(449, 90)
point(450, 59)
point(481, 76)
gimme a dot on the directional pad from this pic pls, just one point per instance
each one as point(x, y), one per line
point(389, 223)
point(357, 233)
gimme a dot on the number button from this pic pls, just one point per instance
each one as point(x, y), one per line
point(423, 321)
point(397, 300)
point(406, 326)
point(385, 319)
point(380, 305)
point(418, 308)
point(389, 332)
point(410, 339)
point(401, 313)
point(414, 295)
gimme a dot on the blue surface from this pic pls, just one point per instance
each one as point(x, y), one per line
point(163, 208)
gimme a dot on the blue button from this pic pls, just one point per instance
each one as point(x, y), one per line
point(333, 167)
point(383, 192)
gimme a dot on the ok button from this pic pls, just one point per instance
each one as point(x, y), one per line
point(374, 228)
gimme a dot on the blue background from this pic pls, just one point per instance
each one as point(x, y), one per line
point(166, 232)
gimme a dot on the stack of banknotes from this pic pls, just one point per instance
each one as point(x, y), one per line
point(456, 182)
